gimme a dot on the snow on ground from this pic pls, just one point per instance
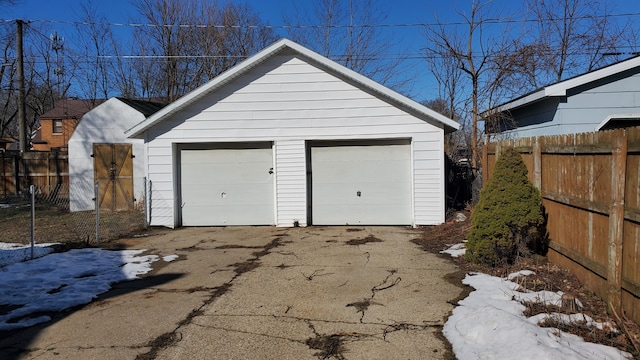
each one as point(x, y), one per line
point(62, 280)
point(490, 324)
point(12, 253)
point(169, 258)
point(455, 250)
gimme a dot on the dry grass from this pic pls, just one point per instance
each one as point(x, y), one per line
point(56, 224)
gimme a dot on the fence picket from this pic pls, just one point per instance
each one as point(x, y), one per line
point(589, 183)
point(42, 169)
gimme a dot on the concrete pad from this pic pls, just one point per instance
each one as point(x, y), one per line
point(314, 286)
point(119, 324)
point(108, 353)
point(262, 293)
point(208, 343)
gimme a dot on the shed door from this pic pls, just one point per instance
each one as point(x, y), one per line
point(227, 186)
point(361, 184)
point(113, 171)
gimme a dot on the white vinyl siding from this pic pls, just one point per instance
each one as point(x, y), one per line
point(428, 179)
point(291, 183)
point(288, 101)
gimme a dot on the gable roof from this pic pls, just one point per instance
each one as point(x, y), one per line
point(272, 50)
point(71, 108)
point(146, 108)
point(561, 88)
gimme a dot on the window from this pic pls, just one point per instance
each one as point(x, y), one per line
point(57, 126)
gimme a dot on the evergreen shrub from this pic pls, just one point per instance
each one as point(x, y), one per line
point(509, 219)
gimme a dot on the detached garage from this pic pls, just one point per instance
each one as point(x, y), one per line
point(290, 138)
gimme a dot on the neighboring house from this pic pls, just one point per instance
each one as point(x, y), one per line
point(5, 143)
point(291, 138)
point(57, 124)
point(602, 99)
point(100, 152)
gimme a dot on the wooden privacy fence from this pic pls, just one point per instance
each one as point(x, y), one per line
point(48, 171)
point(589, 184)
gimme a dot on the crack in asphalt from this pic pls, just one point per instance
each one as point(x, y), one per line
point(314, 274)
point(409, 327)
point(363, 306)
point(173, 337)
point(328, 346)
point(382, 287)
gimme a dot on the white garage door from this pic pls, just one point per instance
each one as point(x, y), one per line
point(227, 186)
point(361, 184)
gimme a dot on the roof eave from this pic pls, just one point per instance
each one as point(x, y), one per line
point(561, 88)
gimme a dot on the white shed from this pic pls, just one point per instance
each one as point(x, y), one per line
point(289, 137)
point(99, 151)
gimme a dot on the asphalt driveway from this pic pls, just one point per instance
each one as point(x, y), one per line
point(262, 293)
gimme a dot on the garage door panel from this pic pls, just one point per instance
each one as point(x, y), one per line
point(234, 215)
point(208, 174)
point(354, 172)
point(240, 195)
point(334, 215)
point(368, 184)
point(370, 197)
point(227, 187)
point(222, 156)
point(392, 153)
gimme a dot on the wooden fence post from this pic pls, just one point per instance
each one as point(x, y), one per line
point(16, 169)
point(485, 162)
point(616, 219)
point(537, 164)
point(48, 175)
point(3, 174)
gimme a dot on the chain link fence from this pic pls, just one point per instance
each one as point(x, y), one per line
point(66, 214)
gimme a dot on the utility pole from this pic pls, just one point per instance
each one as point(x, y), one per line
point(22, 116)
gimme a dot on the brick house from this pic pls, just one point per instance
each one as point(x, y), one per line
point(57, 124)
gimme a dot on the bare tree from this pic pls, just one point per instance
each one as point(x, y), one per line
point(8, 108)
point(349, 32)
point(188, 42)
point(40, 84)
point(451, 96)
point(571, 38)
point(93, 44)
point(471, 53)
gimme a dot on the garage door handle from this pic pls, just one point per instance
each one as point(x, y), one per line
point(359, 193)
point(271, 171)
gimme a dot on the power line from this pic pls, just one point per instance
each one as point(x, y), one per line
point(620, 51)
point(314, 26)
point(90, 59)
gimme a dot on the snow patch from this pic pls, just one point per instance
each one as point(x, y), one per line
point(455, 250)
point(59, 281)
point(11, 253)
point(489, 324)
point(169, 258)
